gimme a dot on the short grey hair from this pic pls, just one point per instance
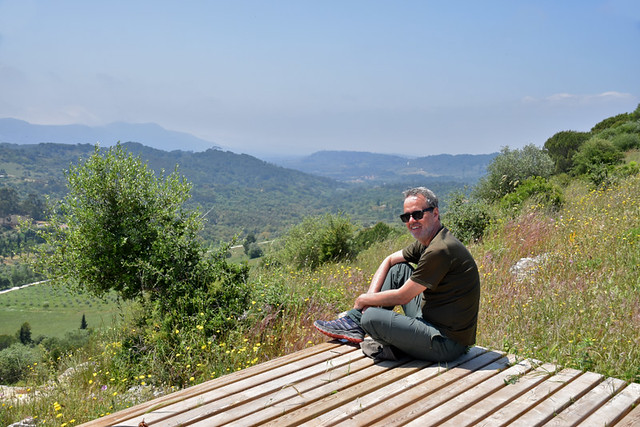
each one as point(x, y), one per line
point(430, 196)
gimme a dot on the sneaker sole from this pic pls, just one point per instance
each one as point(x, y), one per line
point(340, 336)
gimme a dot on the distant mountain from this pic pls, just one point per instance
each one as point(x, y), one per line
point(355, 166)
point(150, 134)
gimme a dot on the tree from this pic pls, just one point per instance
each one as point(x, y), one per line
point(24, 334)
point(83, 322)
point(251, 238)
point(9, 201)
point(562, 146)
point(122, 228)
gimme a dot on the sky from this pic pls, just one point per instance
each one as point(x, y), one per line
point(292, 77)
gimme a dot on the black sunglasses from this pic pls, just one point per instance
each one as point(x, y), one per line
point(417, 215)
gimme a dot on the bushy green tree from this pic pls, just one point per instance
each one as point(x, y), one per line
point(123, 228)
point(510, 168)
point(562, 146)
point(120, 227)
point(24, 334)
point(466, 218)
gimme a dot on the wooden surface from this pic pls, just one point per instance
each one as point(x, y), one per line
point(334, 384)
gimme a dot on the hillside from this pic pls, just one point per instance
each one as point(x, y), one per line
point(240, 193)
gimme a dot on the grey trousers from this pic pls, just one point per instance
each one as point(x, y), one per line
point(407, 332)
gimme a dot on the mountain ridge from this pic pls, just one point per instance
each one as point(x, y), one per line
point(151, 134)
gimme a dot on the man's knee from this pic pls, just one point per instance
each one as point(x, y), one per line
point(375, 321)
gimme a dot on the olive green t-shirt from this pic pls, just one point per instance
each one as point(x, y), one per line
point(452, 298)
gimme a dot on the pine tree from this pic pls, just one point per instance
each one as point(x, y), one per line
point(83, 323)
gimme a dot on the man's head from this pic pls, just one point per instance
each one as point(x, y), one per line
point(429, 196)
point(421, 214)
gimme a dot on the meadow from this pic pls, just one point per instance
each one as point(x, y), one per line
point(52, 310)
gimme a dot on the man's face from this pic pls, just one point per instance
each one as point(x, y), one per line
point(423, 229)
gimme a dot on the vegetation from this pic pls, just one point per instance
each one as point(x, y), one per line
point(558, 253)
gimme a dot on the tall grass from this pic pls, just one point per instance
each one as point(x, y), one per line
point(578, 303)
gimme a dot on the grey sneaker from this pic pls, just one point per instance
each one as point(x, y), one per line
point(343, 328)
point(376, 351)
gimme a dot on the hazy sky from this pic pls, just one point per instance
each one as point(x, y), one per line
point(270, 77)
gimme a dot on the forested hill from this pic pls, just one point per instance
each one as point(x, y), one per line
point(240, 193)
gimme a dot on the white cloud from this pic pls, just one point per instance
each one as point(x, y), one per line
point(579, 99)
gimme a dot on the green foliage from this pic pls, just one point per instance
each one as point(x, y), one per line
point(7, 340)
point(121, 228)
point(53, 347)
point(510, 168)
point(466, 218)
point(24, 334)
point(618, 120)
point(628, 169)
point(626, 141)
point(15, 361)
point(596, 159)
point(538, 191)
point(16, 274)
point(318, 240)
point(562, 146)
point(370, 235)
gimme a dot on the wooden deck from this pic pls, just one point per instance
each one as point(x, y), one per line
point(334, 384)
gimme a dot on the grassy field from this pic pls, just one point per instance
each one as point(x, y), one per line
point(53, 311)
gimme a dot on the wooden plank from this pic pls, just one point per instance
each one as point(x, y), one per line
point(417, 401)
point(368, 401)
point(513, 388)
point(548, 408)
point(588, 404)
point(619, 405)
point(115, 418)
point(632, 419)
point(280, 414)
point(531, 398)
point(431, 385)
point(280, 389)
point(331, 401)
point(461, 402)
point(162, 413)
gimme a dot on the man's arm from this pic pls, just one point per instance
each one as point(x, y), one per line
point(390, 298)
point(383, 269)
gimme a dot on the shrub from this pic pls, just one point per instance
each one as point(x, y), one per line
point(510, 168)
point(596, 159)
point(466, 219)
point(537, 189)
point(318, 240)
point(368, 236)
point(6, 341)
point(626, 141)
point(14, 362)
